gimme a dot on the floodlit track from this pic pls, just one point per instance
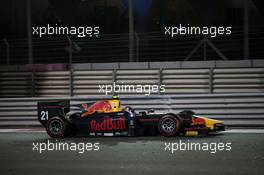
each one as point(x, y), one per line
point(126, 155)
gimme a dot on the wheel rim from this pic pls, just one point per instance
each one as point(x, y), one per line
point(55, 127)
point(168, 125)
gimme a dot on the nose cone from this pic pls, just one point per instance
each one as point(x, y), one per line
point(214, 121)
point(211, 123)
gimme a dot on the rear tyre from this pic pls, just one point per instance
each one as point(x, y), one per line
point(169, 126)
point(57, 127)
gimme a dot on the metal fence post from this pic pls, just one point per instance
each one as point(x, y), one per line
point(70, 50)
point(160, 78)
point(33, 83)
point(70, 67)
point(113, 79)
point(211, 80)
point(29, 32)
point(7, 51)
point(137, 46)
point(131, 30)
point(246, 24)
point(71, 80)
point(204, 50)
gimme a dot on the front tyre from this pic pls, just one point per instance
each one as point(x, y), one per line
point(56, 127)
point(169, 126)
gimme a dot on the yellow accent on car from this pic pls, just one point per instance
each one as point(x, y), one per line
point(210, 123)
point(191, 133)
point(116, 105)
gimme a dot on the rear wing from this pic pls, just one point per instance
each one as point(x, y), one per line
point(50, 109)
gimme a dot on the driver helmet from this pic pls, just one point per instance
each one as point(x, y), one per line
point(115, 96)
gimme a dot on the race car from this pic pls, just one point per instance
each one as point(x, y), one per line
point(108, 118)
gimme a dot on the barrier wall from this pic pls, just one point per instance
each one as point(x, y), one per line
point(237, 110)
point(176, 81)
point(229, 90)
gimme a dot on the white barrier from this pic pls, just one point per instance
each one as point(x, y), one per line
point(240, 110)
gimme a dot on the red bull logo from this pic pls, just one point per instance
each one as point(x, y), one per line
point(100, 107)
point(198, 121)
point(108, 124)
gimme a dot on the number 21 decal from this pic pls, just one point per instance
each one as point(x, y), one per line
point(44, 115)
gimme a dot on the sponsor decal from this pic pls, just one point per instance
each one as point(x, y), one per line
point(198, 121)
point(100, 107)
point(108, 124)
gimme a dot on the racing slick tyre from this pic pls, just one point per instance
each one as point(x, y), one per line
point(57, 127)
point(169, 125)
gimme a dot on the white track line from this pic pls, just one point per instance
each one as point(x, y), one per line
point(21, 130)
point(246, 131)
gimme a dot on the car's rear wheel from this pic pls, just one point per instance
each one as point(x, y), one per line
point(56, 127)
point(169, 125)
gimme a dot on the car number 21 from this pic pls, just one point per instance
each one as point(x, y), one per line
point(44, 115)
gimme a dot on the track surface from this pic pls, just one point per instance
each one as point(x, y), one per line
point(125, 156)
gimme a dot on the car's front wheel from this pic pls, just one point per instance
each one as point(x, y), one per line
point(169, 125)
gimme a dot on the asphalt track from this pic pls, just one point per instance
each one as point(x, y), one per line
point(125, 156)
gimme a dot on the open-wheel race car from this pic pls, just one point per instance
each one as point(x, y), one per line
point(108, 118)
